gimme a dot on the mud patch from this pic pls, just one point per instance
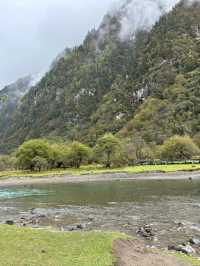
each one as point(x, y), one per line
point(134, 253)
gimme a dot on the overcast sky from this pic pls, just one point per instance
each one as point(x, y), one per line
point(33, 32)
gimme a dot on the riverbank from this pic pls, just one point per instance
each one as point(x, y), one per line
point(121, 176)
point(99, 169)
point(25, 246)
point(134, 253)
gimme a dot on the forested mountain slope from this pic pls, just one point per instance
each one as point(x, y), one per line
point(145, 84)
point(10, 97)
point(169, 70)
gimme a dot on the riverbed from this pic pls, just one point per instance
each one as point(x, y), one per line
point(171, 207)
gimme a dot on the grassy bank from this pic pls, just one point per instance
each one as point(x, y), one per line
point(20, 247)
point(31, 247)
point(95, 169)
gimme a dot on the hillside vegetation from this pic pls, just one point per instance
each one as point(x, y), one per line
point(147, 86)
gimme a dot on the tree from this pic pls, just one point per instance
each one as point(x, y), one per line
point(59, 156)
point(7, 162)
point(39, 163)
point(179, 148)
point(30, 150)
point(78, 152)
point(108, 147)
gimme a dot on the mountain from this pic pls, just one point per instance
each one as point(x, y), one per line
point(126, 78)
point(169, 74)
point(10, 97)
point(10, 94)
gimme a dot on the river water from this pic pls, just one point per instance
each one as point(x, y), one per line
point(171, 207)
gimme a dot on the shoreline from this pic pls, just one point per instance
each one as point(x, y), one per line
point(23, 181)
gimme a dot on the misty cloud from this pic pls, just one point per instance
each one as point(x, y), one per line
point(142, 15)
point(33, 32)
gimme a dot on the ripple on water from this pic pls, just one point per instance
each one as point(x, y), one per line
point(11, 194)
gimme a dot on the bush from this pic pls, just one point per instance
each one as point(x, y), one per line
point(7, 162)
point(178, 148)
point(30, 150)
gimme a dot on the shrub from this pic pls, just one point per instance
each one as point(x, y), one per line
point(7, 162)
point(178, 148)
point(30, 150)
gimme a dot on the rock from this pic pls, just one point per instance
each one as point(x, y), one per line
point(180, 224)
point(33, 211)
point(10, 222)
point(91, 218)
point(81, 226)
point(186, 249)
point(195, 241)
point(74, 227)
point(41, 216)
point(146, 231)
point(71, 228)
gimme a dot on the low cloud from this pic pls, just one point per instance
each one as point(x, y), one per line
point(33, 32)
point(142, 15)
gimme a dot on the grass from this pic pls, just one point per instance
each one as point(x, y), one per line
point(31, 247)
point(188, 259)
point(34, 247)
point(98, 169)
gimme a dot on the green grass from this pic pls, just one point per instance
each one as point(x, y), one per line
point(188, 259)
point(34, 247)
point(30, 247)
point(97, 169)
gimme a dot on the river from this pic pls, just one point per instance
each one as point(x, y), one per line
point(171, 207)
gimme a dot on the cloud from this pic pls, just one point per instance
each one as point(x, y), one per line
point(33, 32)
point(142, 15)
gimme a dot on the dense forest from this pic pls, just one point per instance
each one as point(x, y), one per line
point(144, 89)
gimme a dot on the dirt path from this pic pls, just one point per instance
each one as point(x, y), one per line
point(134, 253)
point(13, 181)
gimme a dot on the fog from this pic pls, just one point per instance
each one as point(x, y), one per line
point(33, 32)
point(142, 15)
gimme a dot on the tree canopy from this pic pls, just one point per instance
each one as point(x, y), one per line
point(30, 150)
point(108, 147)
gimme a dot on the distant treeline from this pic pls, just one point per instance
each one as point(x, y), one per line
point(109, 151)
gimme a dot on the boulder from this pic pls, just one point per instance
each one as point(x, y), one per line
point(10, 222)
point(186, 249)
point(195, 241)
point(146, 231)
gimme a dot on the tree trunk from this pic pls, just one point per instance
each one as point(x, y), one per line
point(108, 163)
